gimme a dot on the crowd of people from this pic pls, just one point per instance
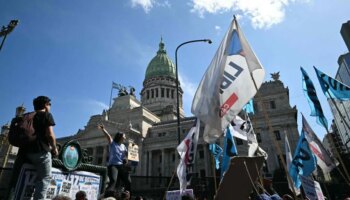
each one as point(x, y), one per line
point(41, 151)
point(108, 195)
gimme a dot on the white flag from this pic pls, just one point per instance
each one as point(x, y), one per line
point(240, 128)
point(187, 150)
point(324, 160)
point(231, 80)
point(289, 159)
point(243, 129)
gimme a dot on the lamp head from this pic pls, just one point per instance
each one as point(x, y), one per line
point(209, 41)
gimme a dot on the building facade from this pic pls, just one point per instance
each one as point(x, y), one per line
point(341, 109)
point(345, 33)
point(151, 124)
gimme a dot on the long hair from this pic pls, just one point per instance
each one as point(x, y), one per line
point(118, 136)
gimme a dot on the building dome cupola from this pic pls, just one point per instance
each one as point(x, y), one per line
point(160, 65)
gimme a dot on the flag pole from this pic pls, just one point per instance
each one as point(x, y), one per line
point(270, 130)
point(256, 166)
point(214, 173)
point(110, 102)
point(167, 189)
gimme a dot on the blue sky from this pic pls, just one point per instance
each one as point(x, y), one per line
point(73, 50)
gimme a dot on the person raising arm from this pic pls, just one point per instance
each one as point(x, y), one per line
point(117, 160)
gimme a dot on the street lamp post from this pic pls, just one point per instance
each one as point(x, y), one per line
point(7, 30)
point(177, 83)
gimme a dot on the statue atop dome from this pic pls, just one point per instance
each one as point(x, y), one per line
point(275, 76)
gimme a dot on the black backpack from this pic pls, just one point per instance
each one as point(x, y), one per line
point(22, 132)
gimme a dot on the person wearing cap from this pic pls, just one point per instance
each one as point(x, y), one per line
point(117, 161)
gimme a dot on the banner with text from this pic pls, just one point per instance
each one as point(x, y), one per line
point(64, 183)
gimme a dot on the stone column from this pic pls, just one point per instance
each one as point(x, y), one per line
point(94, 159)
point(163, 162)
point(150, 163)
point(104, 155)
point(207, 160)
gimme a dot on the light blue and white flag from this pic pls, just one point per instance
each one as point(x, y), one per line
point(231, 80)
point(333, 88)
point(230, 150)
point(304, 161)
point(249, 107)
point(115, 85)
point(314, 103)
point(216, 150)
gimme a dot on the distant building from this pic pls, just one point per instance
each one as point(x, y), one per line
point(345, 33)
point(333, 142)
point(8, 155)
point(342, 119)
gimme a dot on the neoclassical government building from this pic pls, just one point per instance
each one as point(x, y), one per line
point(151, 123)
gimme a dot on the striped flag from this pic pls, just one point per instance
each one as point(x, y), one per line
point(333, 88)
point(314, 103)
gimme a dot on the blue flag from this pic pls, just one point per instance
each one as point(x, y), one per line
point(249, 107)
point(333, 88)
point(230, 150)
point(304, 161)
point(216, 150)
point(314, 103)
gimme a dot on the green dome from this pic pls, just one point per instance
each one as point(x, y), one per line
point(160, 65)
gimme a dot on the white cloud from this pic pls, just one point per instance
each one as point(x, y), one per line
point(218, 29)
point(262, 13)
point(145, 4)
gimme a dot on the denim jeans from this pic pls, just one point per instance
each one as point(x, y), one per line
point(43, 163)
point(118, 174)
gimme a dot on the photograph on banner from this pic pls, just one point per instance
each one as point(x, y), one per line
point(65, 183)
point(175, 194)
point(51, 191)
point(65, 188)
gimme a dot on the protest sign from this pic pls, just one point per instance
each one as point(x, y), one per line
point(133, 152)
point(65, 183)
point(175, 194)
point(311, 188)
